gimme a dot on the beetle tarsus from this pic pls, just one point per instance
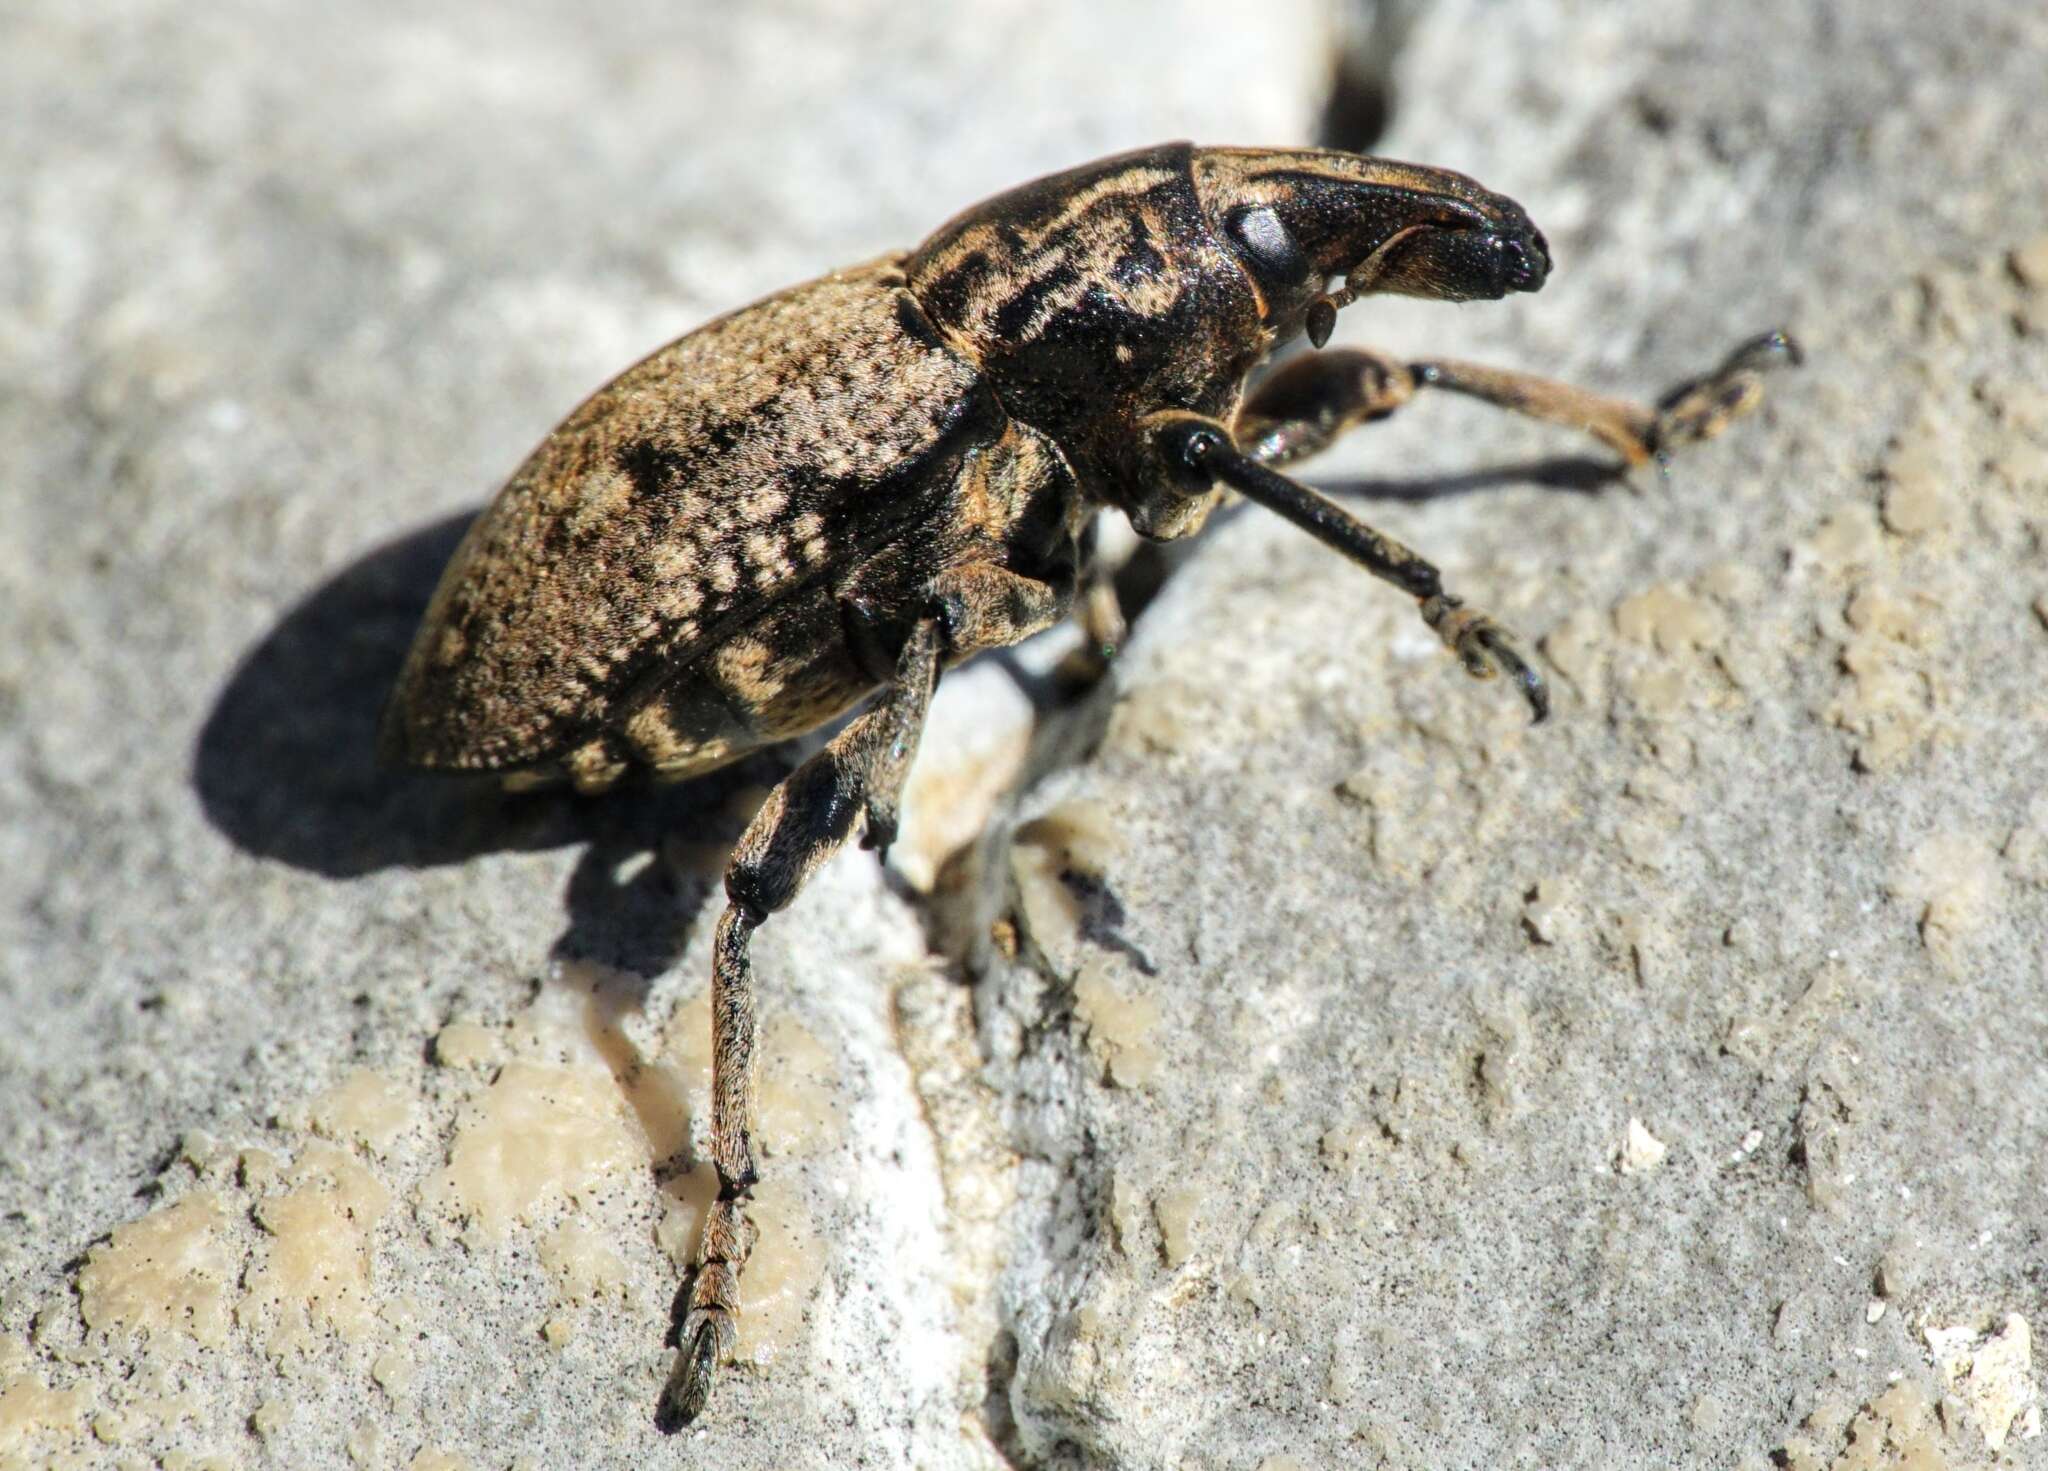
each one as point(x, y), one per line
point(1702, 407)
point(1486, 649)
point(689, 1383)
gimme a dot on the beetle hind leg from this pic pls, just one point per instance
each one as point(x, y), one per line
point(1307, 404)
point(803, 822)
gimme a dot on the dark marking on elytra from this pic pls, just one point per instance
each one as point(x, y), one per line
point(652, 468)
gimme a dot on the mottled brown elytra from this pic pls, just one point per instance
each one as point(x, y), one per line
point(859, 481)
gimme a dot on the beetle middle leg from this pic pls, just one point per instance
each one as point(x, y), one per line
point(1305, 406)
point(860, 772)
point(803, 822)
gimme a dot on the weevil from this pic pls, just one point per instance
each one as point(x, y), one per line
point(849, 486)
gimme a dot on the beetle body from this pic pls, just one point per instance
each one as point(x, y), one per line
point(723, 546)
point(842, 489)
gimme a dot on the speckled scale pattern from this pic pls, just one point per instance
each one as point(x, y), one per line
point(703, 486)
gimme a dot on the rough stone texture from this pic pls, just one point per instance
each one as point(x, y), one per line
point(1333, 1069)
point(1383, 1083)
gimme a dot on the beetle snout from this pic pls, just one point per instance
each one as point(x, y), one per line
point(1524, 260)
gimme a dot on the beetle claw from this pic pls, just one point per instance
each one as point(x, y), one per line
point(1702, 407)
point(880, 833)
point(1486, 649)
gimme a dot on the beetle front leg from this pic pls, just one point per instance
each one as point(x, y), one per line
point(1305, 406)
point(1196, 453)
point(802, 824)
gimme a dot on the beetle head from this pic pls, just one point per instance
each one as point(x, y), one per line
point(1297, 219)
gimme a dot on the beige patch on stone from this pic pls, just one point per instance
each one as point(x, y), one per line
point(394, 1373)
point(1889, 702)
point(1992, 1373)
point(169, 1272)
point(1897, 1431)
point(1848, 538)
point(1578, 648)
point(581, 1263)
point(365, 1107)
point(1953, 881)
point(2029, 264)
point(468, 1045)
point(1641, 1151)
point(1178, 1211)
point(318, 1268)
point(1120, 1025)
point(1671, 618)
point(1918, 478)
point(29, 1408)
point(539, 1135)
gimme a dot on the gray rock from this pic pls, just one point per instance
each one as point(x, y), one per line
point(1330, 1064)
point(1311, 1122)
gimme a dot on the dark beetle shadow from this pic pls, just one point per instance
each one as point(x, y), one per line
point(285, 768)
point(284, 765)
point(1568, 474)
point(1575, 474)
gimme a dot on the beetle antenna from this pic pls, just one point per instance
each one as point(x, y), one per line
point(1322, 312)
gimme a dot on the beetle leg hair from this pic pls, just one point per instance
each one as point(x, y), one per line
point(803, 822)
point(1196, 450)
point(986, 606)
point(1696, 409)
point(1304, 406)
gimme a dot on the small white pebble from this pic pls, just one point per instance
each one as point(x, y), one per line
point(1873, 1310)
point(1641, 1151)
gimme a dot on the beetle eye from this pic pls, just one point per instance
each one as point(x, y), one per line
point(1267, 246)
